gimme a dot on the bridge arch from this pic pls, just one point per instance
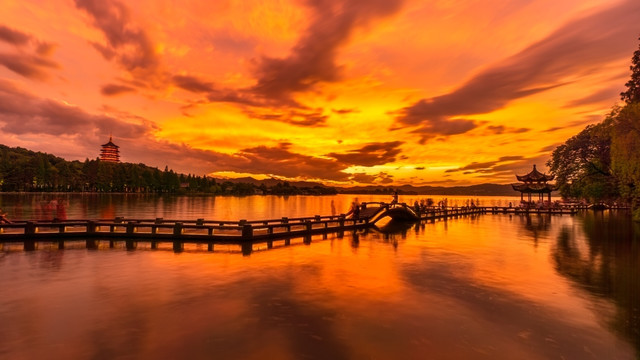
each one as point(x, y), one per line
point(374, 212)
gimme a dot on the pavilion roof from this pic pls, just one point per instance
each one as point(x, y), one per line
point(534, 176)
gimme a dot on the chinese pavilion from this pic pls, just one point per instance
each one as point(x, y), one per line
point(110, 152)
point(534, 182)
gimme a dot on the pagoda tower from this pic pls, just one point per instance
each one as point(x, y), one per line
point(110, 152)
point(534, 182)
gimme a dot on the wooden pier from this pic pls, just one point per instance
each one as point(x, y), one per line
point(238, 232)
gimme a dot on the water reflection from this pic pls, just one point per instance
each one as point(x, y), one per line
point(606, 263)
point(107, 206)
point(472, 287)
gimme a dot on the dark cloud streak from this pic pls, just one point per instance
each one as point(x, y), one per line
point(35, 65)
point(572, 50)
point(126, 43)
point(14, 37)
point(30, 66)
point(115, 89)
point(22, 113)
point(313, 59)
point(370, 154)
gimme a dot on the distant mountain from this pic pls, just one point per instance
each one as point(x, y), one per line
point(271, 182)
point(476, 190)
point(472, 190)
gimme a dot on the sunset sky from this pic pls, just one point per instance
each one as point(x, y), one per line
point(440, 92)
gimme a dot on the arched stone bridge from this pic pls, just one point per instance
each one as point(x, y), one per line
point(372, 212)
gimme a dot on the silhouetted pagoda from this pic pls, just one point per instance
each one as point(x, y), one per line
point(110, 152)
point(534, 182)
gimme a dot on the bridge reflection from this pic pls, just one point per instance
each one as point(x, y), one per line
point(387, 229)
point(390, 232)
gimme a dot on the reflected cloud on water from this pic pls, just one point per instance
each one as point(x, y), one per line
point(492, 286)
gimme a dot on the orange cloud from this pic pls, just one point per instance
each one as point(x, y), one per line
point(350, 91)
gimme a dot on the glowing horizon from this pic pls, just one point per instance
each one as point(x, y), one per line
point(342, 92)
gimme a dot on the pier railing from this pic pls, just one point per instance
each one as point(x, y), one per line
point(183, 229)
point(203, 230)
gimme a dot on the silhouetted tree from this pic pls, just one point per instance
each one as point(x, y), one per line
point(25, 170)
point(625, 153)
point(582, 165)
point(632, 95)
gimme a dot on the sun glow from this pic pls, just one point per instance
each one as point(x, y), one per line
point(393, 92)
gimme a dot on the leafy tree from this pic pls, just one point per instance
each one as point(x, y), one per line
point(24, 170)
point(625, 153)
point(632, 95)
point(582, 165)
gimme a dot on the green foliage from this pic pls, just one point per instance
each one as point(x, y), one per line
point(625, 152)
point(25, 170)
point(603, 161)
point(582, 165)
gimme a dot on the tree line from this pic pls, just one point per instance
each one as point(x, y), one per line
point(602, 162)
point(29, 171)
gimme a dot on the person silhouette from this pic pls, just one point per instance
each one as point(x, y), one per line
point(3, 218)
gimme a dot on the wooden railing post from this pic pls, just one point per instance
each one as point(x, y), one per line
point(91, 227)
point(247, 231)
point(177, 229)
point(30, 228)
point(131, 227)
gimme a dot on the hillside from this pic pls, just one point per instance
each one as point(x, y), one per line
point(472, 190)
point(26, 170)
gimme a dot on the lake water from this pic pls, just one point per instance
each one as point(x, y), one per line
point(482, 287)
